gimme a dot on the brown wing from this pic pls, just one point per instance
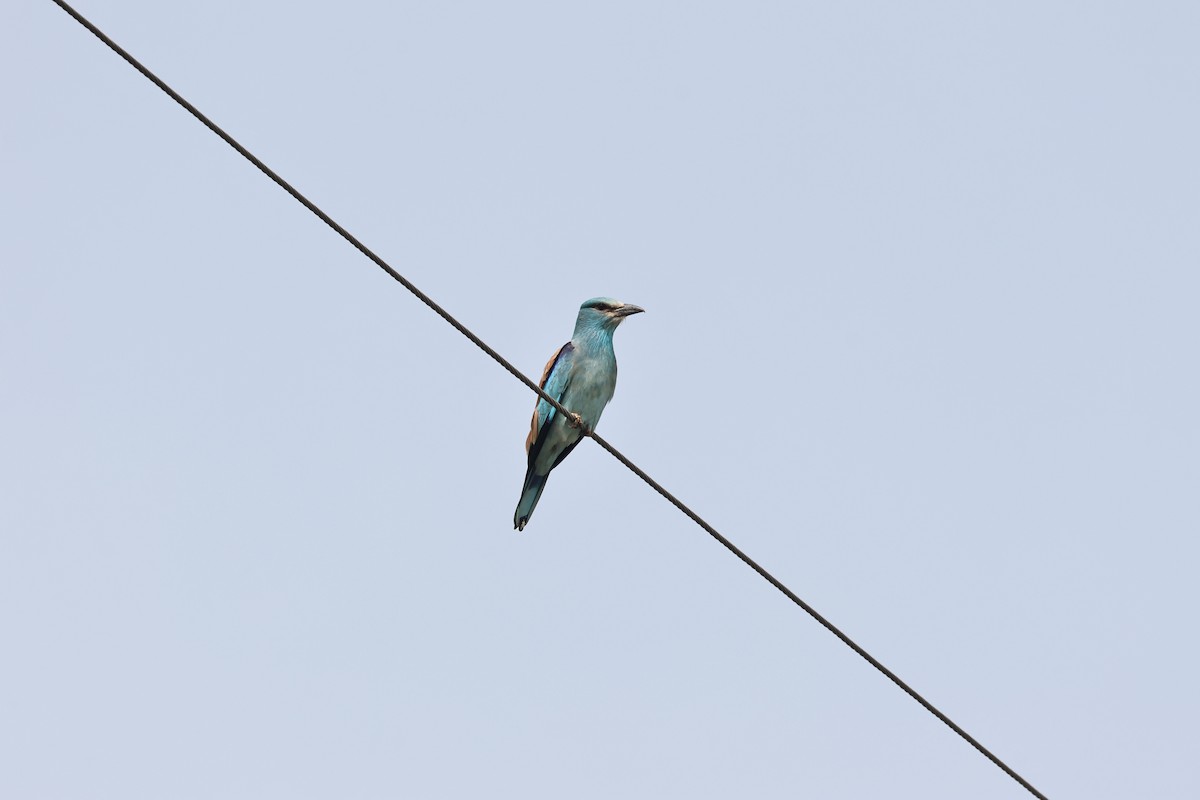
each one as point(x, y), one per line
point(533, 425)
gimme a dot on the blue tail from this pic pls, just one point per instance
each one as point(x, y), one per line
point(529, 499)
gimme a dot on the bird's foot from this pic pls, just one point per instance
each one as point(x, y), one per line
point(575, 421)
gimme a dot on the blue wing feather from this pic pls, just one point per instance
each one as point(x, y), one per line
point(555, 379)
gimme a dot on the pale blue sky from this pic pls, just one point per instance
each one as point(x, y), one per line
point(922, 288)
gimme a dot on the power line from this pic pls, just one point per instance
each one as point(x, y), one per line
point(482, 345)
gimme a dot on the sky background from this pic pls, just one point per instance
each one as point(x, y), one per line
point(922, 283)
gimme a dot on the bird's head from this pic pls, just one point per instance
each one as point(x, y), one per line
point(605, 313)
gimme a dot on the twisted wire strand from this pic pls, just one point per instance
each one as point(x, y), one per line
point(482, 345)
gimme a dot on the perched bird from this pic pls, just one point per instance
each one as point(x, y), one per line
point(582, 376)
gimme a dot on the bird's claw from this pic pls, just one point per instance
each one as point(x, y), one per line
point(576, 421)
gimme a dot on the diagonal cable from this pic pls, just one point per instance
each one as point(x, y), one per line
point(482, 345)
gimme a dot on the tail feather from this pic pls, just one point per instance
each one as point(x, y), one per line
point(529, 499)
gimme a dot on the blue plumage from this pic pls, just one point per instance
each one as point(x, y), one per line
point(582, 376)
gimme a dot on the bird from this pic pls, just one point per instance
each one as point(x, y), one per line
point(582, 376)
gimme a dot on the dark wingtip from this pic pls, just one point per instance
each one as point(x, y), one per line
point(521, 523)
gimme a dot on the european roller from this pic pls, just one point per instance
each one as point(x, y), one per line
point(582, 376)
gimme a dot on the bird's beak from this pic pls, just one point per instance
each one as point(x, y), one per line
point(629, 309)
